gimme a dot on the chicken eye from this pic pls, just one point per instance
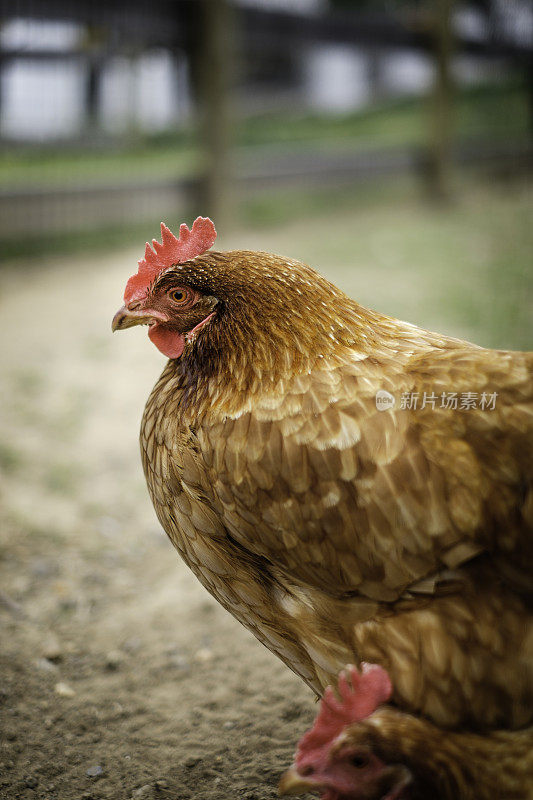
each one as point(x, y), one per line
point(359, 761)
point(179, 296)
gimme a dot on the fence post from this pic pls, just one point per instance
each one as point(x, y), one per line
point(216, 54)
point(439, 164)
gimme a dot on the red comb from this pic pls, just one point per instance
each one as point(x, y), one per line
point(358, 699)
point(172, 250)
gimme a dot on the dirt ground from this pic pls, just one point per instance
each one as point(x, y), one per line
point(119, 676)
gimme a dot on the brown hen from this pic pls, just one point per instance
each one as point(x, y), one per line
point(336, 521)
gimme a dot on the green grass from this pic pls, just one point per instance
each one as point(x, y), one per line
point(50, 167)
point(493, 111)
point(470, 260)
point(277, 207)
point(10, 459)
point(502, 306)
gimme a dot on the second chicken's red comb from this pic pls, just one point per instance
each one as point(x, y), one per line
point(359, 698)
point(172, 250)
point(368, 689)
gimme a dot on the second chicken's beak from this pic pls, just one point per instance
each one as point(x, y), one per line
point(127, 318)
point(292, 782)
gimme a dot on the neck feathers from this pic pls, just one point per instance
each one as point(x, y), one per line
point(275, 319)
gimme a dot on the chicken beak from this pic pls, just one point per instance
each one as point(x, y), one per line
point(127, 318)
point(119, 319)
point(291, 782)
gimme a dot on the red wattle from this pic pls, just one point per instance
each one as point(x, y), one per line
point(169, 342)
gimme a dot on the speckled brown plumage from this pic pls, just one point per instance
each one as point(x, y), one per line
point(336, 532)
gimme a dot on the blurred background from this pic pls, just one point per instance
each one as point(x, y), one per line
point(387, 143)
point(114, 115)
point(260, 113)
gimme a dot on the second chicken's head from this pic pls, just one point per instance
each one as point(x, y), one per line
point(336, 762)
